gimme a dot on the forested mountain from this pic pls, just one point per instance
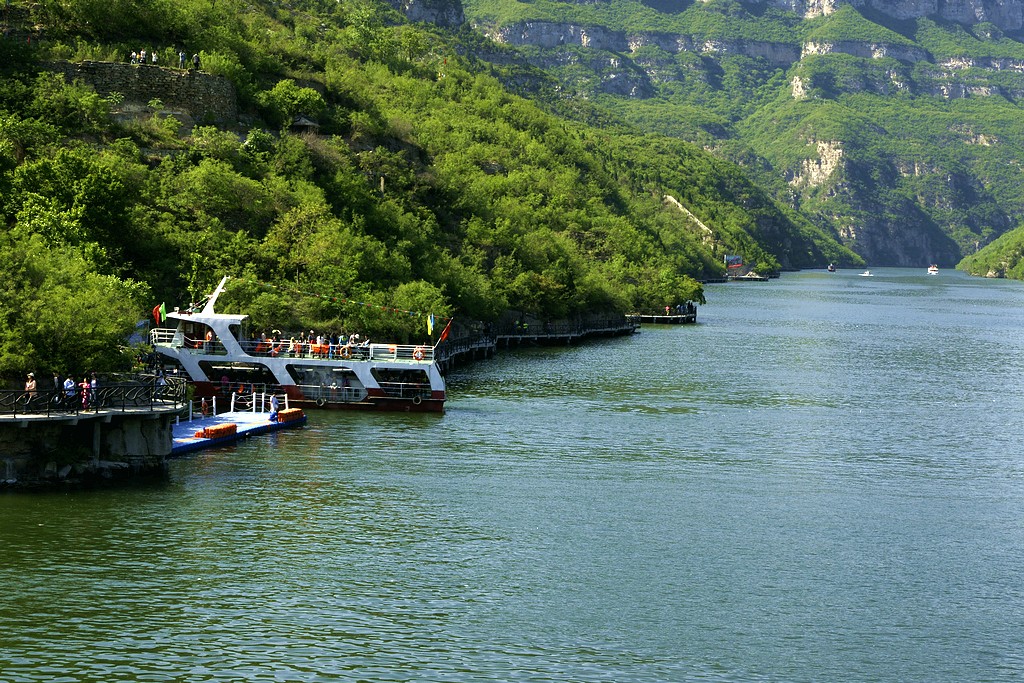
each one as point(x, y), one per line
point(893, 125)
point(352, 169)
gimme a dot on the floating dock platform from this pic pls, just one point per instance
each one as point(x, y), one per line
point(209, 432)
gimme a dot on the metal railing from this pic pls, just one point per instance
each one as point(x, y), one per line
point(285, 348)
point(334, 393)
point(141, 391)
point(406, 389)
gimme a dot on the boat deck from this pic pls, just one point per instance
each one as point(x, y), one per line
point(247, 423)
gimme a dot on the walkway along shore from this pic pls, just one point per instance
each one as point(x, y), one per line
point(122, 432)
point(119, 431)
point(473, 346)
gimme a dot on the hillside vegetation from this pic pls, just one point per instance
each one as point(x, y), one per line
point(426, 187)
point(901, 137)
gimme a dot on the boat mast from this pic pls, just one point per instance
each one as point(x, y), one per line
point(208, 308)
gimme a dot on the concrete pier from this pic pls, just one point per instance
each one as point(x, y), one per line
point(120, 432)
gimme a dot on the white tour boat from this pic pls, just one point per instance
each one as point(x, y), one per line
point(933, 269)
point(213, 350)
point(867, 273)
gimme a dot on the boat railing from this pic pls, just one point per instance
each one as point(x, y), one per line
point(414, 353)
point(143, 391)
point(323, 394)
point(162, 336)
point(406, 389)
point(406, 352)
point(165, 336)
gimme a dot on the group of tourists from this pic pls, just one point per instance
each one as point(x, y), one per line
point(308, 344)
point(681, 309)
point(69, 390)
point(143, 57)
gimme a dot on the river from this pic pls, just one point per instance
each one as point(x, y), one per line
point(823, 480)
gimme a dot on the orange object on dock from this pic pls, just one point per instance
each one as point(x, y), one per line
point(290, 414)
point(217, 431)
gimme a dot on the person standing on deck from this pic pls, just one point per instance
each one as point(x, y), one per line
point(274, 406)
point(30, 386)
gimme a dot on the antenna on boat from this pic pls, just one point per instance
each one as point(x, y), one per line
point(208, 308)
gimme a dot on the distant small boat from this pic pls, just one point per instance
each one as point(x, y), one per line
point(867, 273)
point(933, 269)
point(831, 267)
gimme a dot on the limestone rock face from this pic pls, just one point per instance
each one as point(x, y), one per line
point(1006, 14)
point(447, 13)
point(549, 35)
point(902, 53)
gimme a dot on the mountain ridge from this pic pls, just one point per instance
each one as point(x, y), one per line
point(823, 77)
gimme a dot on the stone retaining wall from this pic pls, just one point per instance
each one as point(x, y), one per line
point(89, 450)
point(206, 97)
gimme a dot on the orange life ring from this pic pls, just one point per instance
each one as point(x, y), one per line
point(345, 352)
point(418, 353)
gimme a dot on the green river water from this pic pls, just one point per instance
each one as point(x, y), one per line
point(823, 480)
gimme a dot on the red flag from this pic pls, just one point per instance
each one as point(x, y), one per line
point(156, 313)
point(444, 334)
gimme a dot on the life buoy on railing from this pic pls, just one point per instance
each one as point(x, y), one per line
point(418, 353)
point(321, 401)
point(345, 352)
point(416, 400)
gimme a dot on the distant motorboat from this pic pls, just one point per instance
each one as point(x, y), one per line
point(831, 267)
point(867, 273)
point(933, 269)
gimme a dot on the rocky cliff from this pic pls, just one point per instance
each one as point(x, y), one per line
point(1008, 15)
point(448, 13)
point(940, 212)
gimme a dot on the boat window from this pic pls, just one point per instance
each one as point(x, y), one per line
point(232, 374)
point(322, 375)
point(400, 376)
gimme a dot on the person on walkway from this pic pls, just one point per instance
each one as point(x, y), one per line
point(93, 387)
point(83, 386)
point(69, 387)
point(30, 386)
point(161, 382)
point(181, 59)
point(195, 61)
point(56, 382)
point(154, 57)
